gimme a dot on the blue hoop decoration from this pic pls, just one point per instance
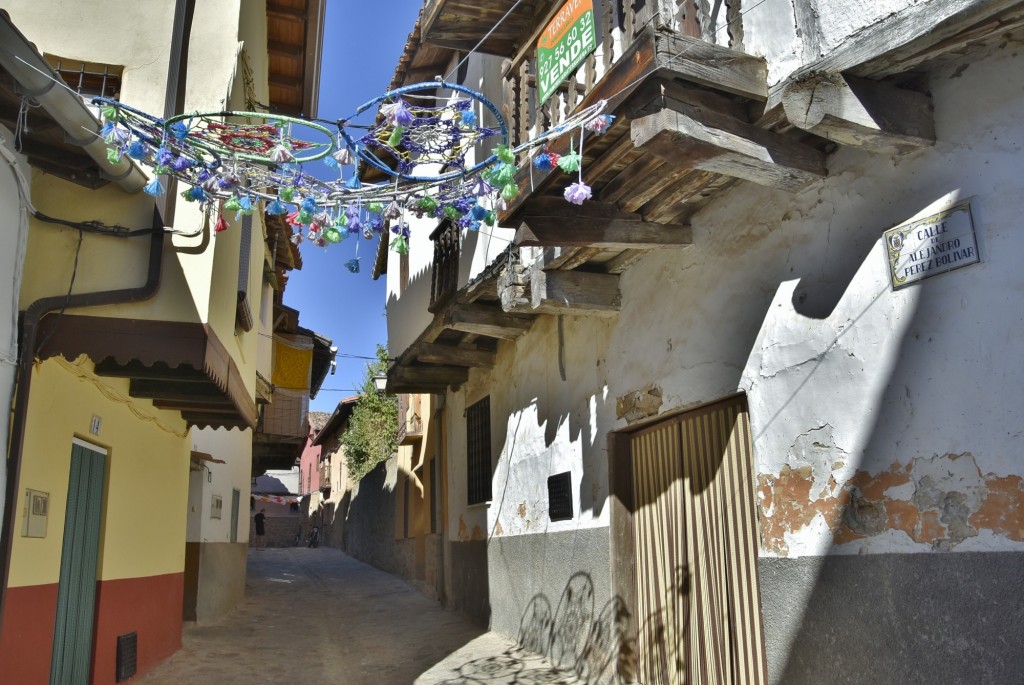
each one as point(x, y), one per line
point(375, 161)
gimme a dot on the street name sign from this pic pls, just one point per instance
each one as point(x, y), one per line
point(931, 245)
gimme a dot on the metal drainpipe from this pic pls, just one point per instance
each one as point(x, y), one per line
point(29, 333)
point(174, 102)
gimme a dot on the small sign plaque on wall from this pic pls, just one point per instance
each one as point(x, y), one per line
point(931, 245)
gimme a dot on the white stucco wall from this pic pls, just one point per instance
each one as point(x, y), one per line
point(234, 447)
point(914, 394)
point(13, 237)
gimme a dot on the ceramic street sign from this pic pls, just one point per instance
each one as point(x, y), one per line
point(932, 245)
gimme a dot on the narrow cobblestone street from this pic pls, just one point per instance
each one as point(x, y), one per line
point(317, 616)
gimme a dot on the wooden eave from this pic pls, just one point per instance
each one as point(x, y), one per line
point(294, 43)
point(463, 334)
point(179, 366)
point(462, 24)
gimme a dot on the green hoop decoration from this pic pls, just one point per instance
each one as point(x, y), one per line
point(308, 152)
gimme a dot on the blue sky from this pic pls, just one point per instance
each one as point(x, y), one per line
point(362, 44)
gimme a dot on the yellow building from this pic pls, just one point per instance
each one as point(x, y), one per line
point(132, 336)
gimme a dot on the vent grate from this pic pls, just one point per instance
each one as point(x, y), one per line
point(127, 656)
point(560, 497)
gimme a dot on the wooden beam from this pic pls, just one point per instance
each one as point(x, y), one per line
point(197, 405)
point(284, 12)
point(714, 66)
point(745, 151)
point(138, 370)
point(431, 375)
point(897, 43)
point(489, 321)
point(862, 113)
point(284, 81)
point(434, 353)
point(615, 231)
point(574, 292)
point(196, 391)
point(280, 47)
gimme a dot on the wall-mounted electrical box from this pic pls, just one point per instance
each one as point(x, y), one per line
point(37, 511)
point(216, 507)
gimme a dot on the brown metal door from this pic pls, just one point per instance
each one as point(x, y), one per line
point(695, 537)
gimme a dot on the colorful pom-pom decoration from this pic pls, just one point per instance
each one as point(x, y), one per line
point(577, 193)
point(353, 265)
point(221, 224)
point(570, 163)
point(154, 188)
point(600, 124)
point(277, 208)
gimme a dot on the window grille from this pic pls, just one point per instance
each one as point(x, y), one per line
point(478, 451)
point(560, 497)
point(445, 274)
point(88, 80)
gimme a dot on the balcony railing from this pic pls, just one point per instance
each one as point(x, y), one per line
point(618, 23)
point(410, 421)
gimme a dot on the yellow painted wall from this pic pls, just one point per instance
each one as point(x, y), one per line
point(200, 272)
point(147, 475)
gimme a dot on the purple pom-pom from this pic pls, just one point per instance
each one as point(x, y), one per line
point(577, 193)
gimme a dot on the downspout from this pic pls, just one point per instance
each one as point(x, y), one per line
point(173, 103)
point(29, 335)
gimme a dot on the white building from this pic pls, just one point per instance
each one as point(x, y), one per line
point(715, 418)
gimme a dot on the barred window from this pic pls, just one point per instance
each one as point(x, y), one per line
point(478, 451)
point(88, 79)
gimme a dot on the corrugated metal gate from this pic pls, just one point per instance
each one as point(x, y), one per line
point(695, 540)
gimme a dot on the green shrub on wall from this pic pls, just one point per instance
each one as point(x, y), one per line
point(372, 435)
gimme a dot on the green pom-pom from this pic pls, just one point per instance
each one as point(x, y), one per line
point(570, 163)
point(113, 155)
point(233, 205)
point(490, 218)
point(400, 245)
point(375, 207)
point(504, 154)
point(396, 136)
point(159, 170)
point(342, 220)
point(109, 112)
point(305, 217)
point(502, 174)
point(427, 204)
point(509, 191)
point(451, 212)
point(332, 235)
point(287, 193)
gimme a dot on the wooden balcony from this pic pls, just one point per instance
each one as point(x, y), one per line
point(693, 117)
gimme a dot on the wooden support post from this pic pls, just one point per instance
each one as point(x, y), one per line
point(743, 151)
point(488, 321)
point(859, 112)
point(574, 292)
point(434, 353)
point(547, 223)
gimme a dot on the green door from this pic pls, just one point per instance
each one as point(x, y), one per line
point(76, 593)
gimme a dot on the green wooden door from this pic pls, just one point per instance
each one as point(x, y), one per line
point(76, 593)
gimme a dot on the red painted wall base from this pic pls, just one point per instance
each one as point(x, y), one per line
point(149, 606)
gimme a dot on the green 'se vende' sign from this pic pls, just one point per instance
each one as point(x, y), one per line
point(564, 44)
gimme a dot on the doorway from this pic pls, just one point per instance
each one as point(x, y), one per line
point(694, 536)
point(71, 661)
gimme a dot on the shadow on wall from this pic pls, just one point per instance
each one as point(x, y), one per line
point(581, 642)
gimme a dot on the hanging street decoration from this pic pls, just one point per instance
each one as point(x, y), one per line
point(428, 140)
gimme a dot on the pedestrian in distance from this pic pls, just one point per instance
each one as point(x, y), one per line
point(261, 529)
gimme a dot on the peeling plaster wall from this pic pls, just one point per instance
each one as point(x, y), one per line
point(792, 33)
point(883, 421)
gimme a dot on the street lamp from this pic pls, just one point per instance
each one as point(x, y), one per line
point(380, 383)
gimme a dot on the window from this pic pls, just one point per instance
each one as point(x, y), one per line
point(560, 497)
point(87, 79)
point(478, 451)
